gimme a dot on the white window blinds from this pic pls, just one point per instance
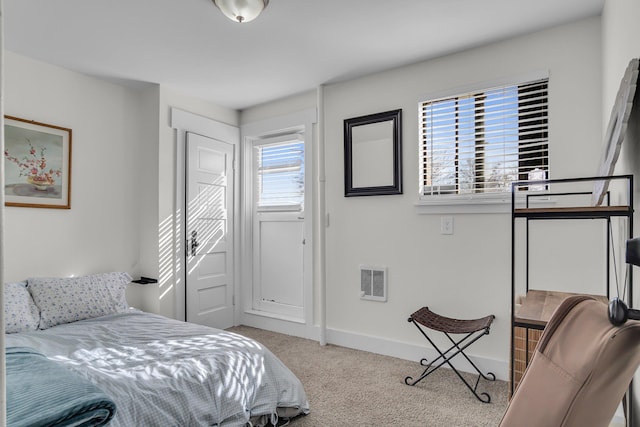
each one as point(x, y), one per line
point(280, 174)
point(482, 141)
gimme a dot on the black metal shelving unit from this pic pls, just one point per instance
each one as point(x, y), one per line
point(524, 208)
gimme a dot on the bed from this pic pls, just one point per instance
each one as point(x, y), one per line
point(155, 370)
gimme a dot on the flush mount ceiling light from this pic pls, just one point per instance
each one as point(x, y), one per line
point(241, 10)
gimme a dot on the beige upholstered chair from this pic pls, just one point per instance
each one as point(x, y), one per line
point(580, 370)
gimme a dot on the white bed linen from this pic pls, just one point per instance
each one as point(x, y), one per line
point(163, 372)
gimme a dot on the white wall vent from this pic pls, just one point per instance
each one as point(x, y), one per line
point(373, 283)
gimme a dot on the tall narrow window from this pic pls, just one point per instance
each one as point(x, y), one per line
point(480, 142)
point(280, 174)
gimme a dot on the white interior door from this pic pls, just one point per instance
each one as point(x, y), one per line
point(209, 229)
point(278, 270)
point(279, 225)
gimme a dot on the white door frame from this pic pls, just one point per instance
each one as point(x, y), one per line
point(302, 123)
point(183, 122)
point(210, 218)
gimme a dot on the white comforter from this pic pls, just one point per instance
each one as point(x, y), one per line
point(163, 372)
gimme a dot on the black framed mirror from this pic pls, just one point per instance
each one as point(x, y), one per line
point(373, 154)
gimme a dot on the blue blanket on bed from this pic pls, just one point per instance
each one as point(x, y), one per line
point(42, 392)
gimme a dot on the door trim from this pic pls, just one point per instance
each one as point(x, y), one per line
point(210, 179)
point(301, 122)
point(183, 122)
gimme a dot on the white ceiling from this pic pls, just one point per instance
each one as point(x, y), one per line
point(294, 46)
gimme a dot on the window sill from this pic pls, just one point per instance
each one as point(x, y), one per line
point(471, 204)
point(284, 208)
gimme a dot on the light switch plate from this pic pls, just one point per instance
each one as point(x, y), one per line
point(446, 225)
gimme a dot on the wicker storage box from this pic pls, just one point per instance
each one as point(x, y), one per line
point(525, 341)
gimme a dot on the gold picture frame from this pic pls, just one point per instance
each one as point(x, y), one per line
point(37, 164)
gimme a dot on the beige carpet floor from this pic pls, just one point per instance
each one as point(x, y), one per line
point(347, 387)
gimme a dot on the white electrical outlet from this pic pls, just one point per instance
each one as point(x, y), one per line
point(446, 225)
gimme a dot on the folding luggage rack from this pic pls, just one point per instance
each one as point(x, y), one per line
point(474, 330)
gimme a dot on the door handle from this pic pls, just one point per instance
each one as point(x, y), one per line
point(194, 242)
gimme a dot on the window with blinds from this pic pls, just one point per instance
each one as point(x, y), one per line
point(280, 175)
point(482, 141)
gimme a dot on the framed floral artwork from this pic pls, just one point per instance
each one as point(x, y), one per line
point(37, 164)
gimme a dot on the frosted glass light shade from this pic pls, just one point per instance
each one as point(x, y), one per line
point(241, 10)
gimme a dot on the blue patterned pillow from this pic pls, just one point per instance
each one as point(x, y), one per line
point(20, 312)
point(69, 299)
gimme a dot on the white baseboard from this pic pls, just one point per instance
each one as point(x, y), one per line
point(375, 344)
point(280, 324)
point(414, 352)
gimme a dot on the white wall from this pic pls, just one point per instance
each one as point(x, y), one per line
point(280, 107)
point(169, 214)
point(123, 179)
point(621, 43)
point(99, 232)
point(465, 275)
point(146, 297)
